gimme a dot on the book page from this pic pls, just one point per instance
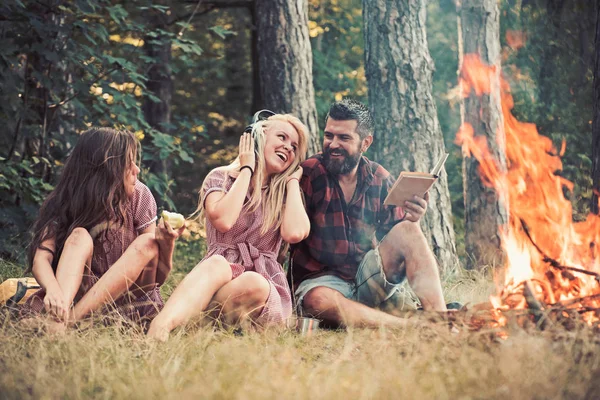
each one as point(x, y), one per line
point(411, 184)
point(408, 186)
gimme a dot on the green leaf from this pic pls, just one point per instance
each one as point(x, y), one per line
point(187, 46)
point(221, 32)
point(185, 156)
point(117, 13)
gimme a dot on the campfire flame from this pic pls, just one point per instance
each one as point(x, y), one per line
point(544, 247)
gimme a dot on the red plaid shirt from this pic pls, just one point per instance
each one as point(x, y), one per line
point(341, 234)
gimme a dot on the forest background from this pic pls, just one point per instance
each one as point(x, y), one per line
point(183, 75)
point(66, 66)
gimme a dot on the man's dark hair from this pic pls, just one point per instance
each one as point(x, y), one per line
point(349, 109)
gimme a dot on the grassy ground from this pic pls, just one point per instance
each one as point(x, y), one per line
point(427, 361)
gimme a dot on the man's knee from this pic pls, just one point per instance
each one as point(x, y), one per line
point(406, 231)
point(404, 240)
point(320, 299)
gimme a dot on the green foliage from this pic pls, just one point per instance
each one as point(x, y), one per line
point(551, 78)
point(65, 66)
point(336, 30)
point(70, 65)
point(442, 36)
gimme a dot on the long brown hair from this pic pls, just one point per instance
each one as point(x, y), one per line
point(90, 189)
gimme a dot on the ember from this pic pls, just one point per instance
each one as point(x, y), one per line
point(552, 265)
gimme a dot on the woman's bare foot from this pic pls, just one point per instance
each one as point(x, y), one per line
point(56, 327)
point(158, 332)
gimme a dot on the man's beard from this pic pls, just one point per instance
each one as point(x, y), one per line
point(343, 166)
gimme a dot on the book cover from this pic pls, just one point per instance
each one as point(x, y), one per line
point(411, 184)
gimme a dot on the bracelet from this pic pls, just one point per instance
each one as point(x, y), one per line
point(250, 168)
point(291, 179)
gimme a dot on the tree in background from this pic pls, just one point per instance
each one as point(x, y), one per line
point(335, 28)
point(550, 71)
point(596, 119)
point(407, 133)
point(157, 109)
point(285, 62)
point(65, 66)
point(485, 212)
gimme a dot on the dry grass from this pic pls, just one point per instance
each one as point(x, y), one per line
point(424, 362)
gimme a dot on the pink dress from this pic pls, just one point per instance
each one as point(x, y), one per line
point(140, 213)
point(247, 249)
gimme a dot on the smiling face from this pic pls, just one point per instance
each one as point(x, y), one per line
point(342, 146)
point(281, 145)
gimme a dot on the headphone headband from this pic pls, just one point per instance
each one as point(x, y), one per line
point(260, 115)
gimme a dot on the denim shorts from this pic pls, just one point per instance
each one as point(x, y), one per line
point(370, 286)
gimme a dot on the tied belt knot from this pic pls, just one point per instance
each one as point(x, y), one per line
point(250, 255)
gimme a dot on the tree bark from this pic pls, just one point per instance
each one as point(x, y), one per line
point(257, 101)
point(485, 211)
point(407, 132)
point(158, 114)
point(285, 62)
point(596, 118)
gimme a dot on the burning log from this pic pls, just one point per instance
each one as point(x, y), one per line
point(535, 306)
point(553, 263)
point(564, 290)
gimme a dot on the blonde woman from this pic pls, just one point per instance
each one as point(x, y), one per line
point(250, 207)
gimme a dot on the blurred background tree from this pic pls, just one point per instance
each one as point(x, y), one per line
point(67, 65)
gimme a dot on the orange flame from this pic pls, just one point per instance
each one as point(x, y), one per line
point(540, 228)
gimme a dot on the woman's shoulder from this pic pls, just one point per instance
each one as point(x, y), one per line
point(217, 177)
point(141, 190)
point(142, 197)
point(217, 173)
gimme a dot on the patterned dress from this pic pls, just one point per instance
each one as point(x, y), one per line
point(247, 249)
point(141, 212)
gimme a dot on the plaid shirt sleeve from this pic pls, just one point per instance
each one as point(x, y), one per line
point(389, 216)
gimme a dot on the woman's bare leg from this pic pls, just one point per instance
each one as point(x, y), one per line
point(76, 254)
point(119, 277)
point(192, 296)
point(241, 299)
point(147, 279)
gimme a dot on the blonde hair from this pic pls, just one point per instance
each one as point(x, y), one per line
point(273, 207)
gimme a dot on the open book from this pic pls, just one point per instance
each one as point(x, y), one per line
point(411, 184)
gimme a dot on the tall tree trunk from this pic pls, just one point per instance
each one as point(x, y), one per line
point(596, 118)
point(407, 132)
point(158, 113)
point(485, 212)
point(547, 78)
point(257, 101)
point(285, 62)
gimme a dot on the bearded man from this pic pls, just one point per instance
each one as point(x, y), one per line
point(358, 250)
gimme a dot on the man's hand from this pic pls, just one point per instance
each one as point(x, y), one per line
point(416, 208)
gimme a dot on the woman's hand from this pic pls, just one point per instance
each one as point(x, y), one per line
point(165, 233)
point(247, 155)
point(55, 303)
point(296, 175)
